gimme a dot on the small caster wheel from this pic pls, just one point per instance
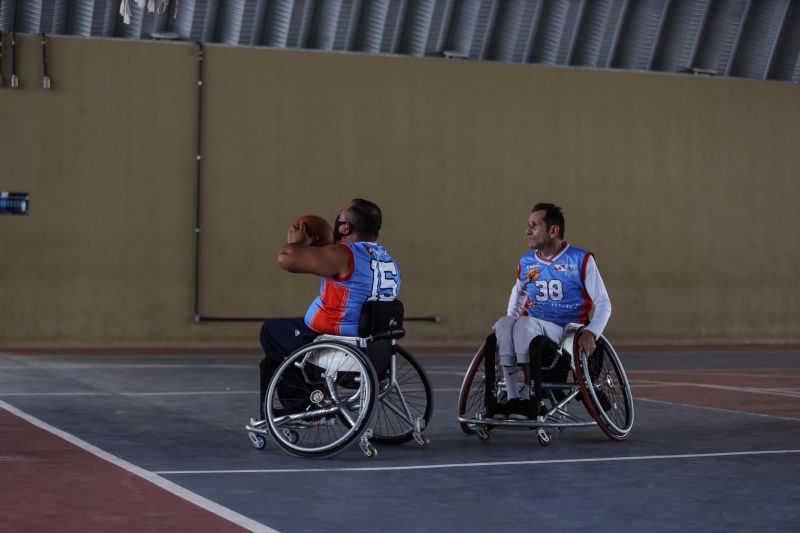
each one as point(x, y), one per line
point(370, 451)
point(483, 434)
point(291, 436)
point(421, 440)
point(545, 439)
point(258, 441)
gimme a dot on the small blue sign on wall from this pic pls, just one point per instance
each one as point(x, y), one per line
point(14, 203)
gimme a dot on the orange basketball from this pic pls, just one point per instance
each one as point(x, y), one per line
point(316, 227)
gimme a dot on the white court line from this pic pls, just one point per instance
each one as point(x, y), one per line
point(751, 390)
point(152, 477)
point(117, 366)
point(173, 393)
point(487, 463)
point(720, 409)
point(166, 393)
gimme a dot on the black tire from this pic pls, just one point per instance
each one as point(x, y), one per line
point(387, 425)
point(327, 419)
point(605, 389)
point(472, 397)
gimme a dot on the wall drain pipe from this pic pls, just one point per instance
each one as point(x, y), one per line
point(198, 181)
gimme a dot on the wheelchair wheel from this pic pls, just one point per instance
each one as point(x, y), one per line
point(391, 423)
point(321, 399)
point(605, 390)
point(472, 397)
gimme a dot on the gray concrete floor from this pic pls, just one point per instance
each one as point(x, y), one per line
point(685, 467)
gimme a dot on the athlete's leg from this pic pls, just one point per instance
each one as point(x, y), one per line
point(503, 329)
point(279, 337)
point(525, 331)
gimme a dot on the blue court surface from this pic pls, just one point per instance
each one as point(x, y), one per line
point(715, 447)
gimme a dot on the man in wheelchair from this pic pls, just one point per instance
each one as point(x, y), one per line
point(355, 269)
point(557, 284)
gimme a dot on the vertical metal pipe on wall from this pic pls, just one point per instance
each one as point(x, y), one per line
point(198, 180)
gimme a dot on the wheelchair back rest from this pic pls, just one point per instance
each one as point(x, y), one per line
point(385, 321)
point(381, 318)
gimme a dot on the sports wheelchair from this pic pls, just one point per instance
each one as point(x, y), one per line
point(597, 382)
point(339, 390)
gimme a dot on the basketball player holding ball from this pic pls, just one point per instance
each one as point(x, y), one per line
point(354, 269)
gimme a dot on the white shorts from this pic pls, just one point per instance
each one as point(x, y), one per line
point(514, 336)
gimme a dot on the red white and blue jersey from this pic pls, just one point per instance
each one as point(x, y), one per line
point(373, 275)
point(556, 291)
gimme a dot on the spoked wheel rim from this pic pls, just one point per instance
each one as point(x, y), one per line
point(605, 390)
point(472, 397)
point(318, 405)
point(390, 423)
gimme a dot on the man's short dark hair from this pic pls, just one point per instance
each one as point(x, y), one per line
point(552, 216)
point(365, 217)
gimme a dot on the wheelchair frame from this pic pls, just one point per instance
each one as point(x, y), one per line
point(371, 396)
point(591, 391)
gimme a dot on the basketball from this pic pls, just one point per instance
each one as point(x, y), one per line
point(316, 227)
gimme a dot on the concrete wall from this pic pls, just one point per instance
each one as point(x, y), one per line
point(686, 188)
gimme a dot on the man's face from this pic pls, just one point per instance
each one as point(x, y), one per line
point(538, 236)
point(341, 227)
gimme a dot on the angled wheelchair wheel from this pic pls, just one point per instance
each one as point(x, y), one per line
point(403, 403)
point(321, 399)
point(605, 390)
point(472, 397)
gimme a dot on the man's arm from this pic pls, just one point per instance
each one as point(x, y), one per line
point(299, 256)
point(597, 292)
point(602, 307)
point(516, 302)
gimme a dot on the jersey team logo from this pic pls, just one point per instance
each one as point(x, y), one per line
point(532, 275)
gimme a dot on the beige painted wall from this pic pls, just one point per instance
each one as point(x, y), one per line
point(686, 188)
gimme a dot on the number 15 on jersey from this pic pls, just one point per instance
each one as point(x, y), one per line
point(384, 280)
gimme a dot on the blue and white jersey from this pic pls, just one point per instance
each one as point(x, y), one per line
point(373, 275)
point(555, 286)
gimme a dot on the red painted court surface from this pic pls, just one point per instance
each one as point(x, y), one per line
point(136, 442)
point(49, 484)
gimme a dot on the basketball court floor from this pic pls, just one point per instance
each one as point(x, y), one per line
point(138, 441)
